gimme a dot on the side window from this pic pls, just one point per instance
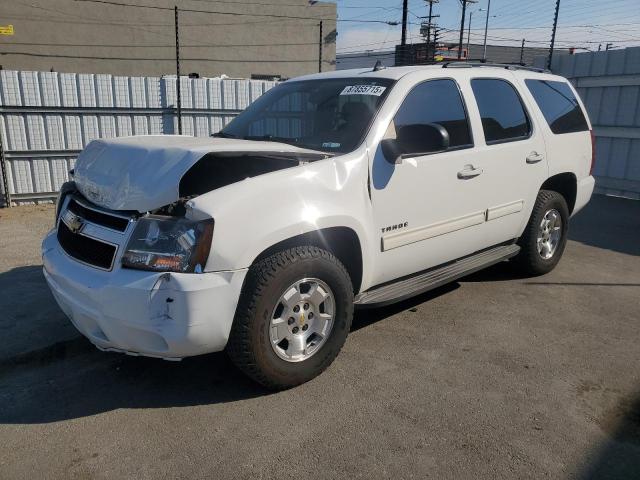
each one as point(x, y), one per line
point(559, 106)
point(435, 102)
point(503, 116)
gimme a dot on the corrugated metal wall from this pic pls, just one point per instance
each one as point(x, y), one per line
point(609, 84)
point(46, 118)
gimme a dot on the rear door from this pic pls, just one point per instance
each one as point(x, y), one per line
point(511, 151)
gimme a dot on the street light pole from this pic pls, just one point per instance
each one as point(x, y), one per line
point(486, 28)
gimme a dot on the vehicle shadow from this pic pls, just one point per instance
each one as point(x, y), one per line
point(30, 319)
point(70, 378)
point(363, 317)
point(610, 223)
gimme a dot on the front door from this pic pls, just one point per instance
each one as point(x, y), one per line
point(428, 207)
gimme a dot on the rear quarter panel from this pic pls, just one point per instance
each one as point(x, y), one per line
point(569, 152)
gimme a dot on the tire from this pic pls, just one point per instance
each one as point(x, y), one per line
point(252, 343)
point(537, 258)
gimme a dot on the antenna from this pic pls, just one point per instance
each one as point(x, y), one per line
point(378, 66)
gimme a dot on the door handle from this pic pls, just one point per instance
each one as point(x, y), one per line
point(469, 171)
point(534, 157)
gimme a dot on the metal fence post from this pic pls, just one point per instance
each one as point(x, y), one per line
point(5, 181)
point(178, 92)
point(320, 45)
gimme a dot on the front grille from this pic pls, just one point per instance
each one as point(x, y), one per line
point(85, 249)
point(99, 218)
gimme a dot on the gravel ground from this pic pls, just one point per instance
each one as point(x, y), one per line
point(494, 376)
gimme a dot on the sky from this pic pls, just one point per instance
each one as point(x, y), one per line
point(583, 24)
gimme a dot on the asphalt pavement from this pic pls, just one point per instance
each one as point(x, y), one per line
point(495, 376)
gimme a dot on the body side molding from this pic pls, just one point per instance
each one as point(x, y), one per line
point(399, 239)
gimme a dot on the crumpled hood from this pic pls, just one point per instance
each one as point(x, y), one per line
point(143, 173)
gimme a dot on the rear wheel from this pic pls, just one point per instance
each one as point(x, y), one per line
point(293, 317)
point(544, 239)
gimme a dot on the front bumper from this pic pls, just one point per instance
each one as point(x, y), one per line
point(166, 315)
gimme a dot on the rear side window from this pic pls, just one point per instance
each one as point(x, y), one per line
point(439, 102)
point(503, 116)
point(559, 106)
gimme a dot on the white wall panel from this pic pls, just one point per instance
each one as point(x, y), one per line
point(68, 110)
point(609, 84)
point(10, 88)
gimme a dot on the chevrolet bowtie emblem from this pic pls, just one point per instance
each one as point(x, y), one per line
point(72, 221)
point(302, 319)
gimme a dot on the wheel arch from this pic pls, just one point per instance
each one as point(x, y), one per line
point(343, 242)
point(566, 184)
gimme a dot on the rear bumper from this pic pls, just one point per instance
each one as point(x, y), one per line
point(583, 194)
point(166, 315)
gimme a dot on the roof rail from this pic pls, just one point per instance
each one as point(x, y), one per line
point(508, 66)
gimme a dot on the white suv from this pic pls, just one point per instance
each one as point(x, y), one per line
point(359, 187)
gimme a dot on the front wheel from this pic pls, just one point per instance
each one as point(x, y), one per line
point(545, 237)
point(293, 317)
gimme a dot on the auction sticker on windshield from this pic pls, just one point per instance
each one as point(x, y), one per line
point(363, 90)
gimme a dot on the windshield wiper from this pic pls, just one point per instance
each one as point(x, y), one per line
point(271, 138)
point(223, 135)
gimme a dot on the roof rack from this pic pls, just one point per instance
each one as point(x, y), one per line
point(508, 66)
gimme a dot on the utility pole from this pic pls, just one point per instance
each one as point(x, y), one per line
point(403, 40)
point(429, 28)
point(178, 93)
point(522, 52)
point(436, 37)
point(486, 28)
point(469, 34)
point(320, 42)
point(425, 29)
point(553, 34)
point(462, 19)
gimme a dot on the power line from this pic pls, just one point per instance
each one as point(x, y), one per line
point(193, 10)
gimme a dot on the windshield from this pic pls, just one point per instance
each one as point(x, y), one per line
point(331, 115)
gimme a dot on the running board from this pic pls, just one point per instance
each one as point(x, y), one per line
point(431, 279)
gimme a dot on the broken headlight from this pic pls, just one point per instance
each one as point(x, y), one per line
point(168, 244)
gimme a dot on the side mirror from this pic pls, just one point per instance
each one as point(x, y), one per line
point(415, 139)
point(423, 138)
point(391, 150)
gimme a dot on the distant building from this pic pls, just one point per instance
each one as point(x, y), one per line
point(274, 39)
point(417, 53)
point(346, 61)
